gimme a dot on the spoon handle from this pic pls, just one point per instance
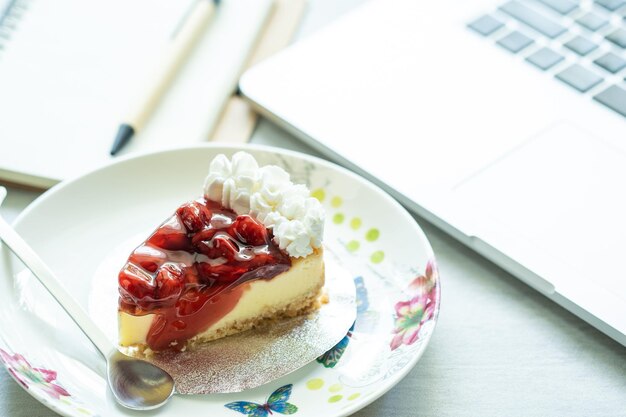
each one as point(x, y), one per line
point(33, 262)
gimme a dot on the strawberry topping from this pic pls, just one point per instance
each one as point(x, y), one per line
point(190, 271)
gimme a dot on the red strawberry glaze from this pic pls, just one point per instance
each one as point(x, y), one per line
point(194, 268)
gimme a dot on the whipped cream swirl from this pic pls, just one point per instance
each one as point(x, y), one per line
point(267, 193)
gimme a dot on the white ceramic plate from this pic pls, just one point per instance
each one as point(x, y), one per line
point(75, 225)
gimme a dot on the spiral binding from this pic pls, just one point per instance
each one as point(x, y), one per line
point(9, 19)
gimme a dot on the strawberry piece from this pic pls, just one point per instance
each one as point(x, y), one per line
point(148, 257)
point(169, 282)
point(194, 215)
point(204, 273)
point(191, 276)
point(204, 235)
point(135, 286)
point(249, 231)
point(218, 274)
point(171, 235)
point(170, 241)
point(220, 246)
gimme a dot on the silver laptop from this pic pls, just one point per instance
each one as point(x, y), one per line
point(504, 123)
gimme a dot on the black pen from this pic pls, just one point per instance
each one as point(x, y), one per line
point(178, 50)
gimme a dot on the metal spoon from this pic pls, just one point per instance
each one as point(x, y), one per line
point(136, 384)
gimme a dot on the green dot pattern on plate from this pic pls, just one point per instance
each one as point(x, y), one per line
point(377, 257)
point(355, 223)
point(338, 218)
point(336, 201)
point(353, 245)
point(315, 383)
point(372, 235)
point(354, 396)
point(335, 388)
point(319, 193)
point(335, 398)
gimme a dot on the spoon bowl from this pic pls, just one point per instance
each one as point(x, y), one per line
point(136, 384)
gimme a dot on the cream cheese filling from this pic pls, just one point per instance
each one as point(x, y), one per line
point(305, 276)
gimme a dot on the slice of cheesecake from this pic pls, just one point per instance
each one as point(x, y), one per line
point(246, 253)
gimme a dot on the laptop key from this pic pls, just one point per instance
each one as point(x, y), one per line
point(579, 78)
point(618, 37)
point(515, 41)
point(611, 5)
point(614, 98)
point(561, 6)
point(544, 58)
point(533, 19)
point(580, 45)
point(486, 25)
point(611, 62)
point(592, 21)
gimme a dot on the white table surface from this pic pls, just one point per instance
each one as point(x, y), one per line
point(499, 349)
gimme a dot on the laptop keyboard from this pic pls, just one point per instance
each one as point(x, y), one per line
point(582, 43)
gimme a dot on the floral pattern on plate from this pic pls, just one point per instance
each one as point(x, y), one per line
point(419, 309)
point(41, 380)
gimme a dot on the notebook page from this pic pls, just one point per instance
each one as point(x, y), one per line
point(71, 68)
point(66, 68)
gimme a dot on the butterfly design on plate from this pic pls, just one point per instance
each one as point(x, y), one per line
point(277, 402)
point(362, 301)
point(331, 358)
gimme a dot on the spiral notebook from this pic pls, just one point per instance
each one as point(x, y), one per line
point(69, 67)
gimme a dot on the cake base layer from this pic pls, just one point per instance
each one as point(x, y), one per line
point(291, 293)
point(299, 307)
